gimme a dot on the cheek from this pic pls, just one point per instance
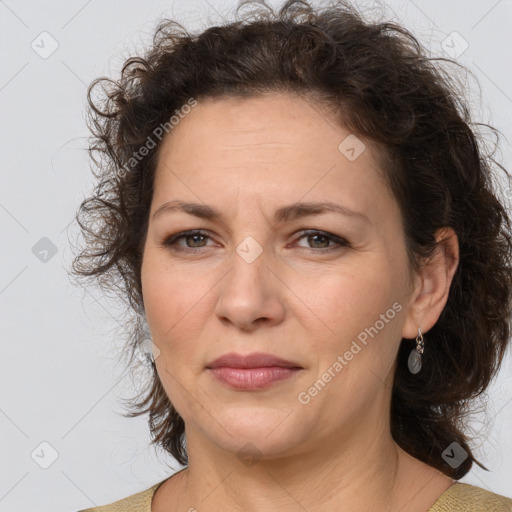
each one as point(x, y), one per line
point(363, 312)
point(346, 299)
point(156, 293)
point(164, 296)
point(361, 308)
point(172, 299)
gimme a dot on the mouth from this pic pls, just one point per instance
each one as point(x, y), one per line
point(253, 371)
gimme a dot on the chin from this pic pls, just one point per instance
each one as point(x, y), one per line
point(268, 435)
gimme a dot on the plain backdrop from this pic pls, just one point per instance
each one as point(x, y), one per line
point(64, 444)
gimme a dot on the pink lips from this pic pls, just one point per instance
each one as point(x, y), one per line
point(253, 371)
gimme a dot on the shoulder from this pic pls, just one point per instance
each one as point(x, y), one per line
point(140, 502)
point(469, 498)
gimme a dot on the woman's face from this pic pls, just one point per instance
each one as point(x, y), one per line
point(333, 301)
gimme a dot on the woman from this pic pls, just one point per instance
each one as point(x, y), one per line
point(302, 217)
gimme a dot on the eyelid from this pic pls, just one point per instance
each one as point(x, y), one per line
point(339, 241)
point(169, 241)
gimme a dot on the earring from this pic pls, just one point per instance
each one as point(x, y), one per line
point(414, 361)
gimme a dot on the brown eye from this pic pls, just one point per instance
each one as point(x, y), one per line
point(322, 240)
point(319, 241)
point(193, 239)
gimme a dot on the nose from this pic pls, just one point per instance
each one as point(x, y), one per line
point(251, 294)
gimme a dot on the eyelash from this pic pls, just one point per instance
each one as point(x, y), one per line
point(170, 241)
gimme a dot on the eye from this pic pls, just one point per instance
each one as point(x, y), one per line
point(321, 240)
point(193, 239)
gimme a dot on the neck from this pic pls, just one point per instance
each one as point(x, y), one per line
point(356, 468)
point(358, 472)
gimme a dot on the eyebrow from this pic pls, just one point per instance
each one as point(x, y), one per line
point(282, 214)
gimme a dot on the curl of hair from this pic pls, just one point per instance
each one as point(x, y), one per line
point(378, 82)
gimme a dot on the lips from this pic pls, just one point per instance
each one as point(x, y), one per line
point(251, 372)
point(254, 360)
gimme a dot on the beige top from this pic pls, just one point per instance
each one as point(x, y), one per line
point(457, 498)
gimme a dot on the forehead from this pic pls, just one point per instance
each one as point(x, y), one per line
point(279, 146)
point(273, 121)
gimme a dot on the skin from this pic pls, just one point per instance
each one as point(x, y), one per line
point(296, 300)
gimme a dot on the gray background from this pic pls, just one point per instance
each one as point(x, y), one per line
point(60, 377)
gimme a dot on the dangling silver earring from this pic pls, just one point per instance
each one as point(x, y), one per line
point(414, 361)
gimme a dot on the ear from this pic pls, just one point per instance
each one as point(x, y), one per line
point(433, 282)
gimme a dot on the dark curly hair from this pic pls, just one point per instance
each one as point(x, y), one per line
point(378, 81)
